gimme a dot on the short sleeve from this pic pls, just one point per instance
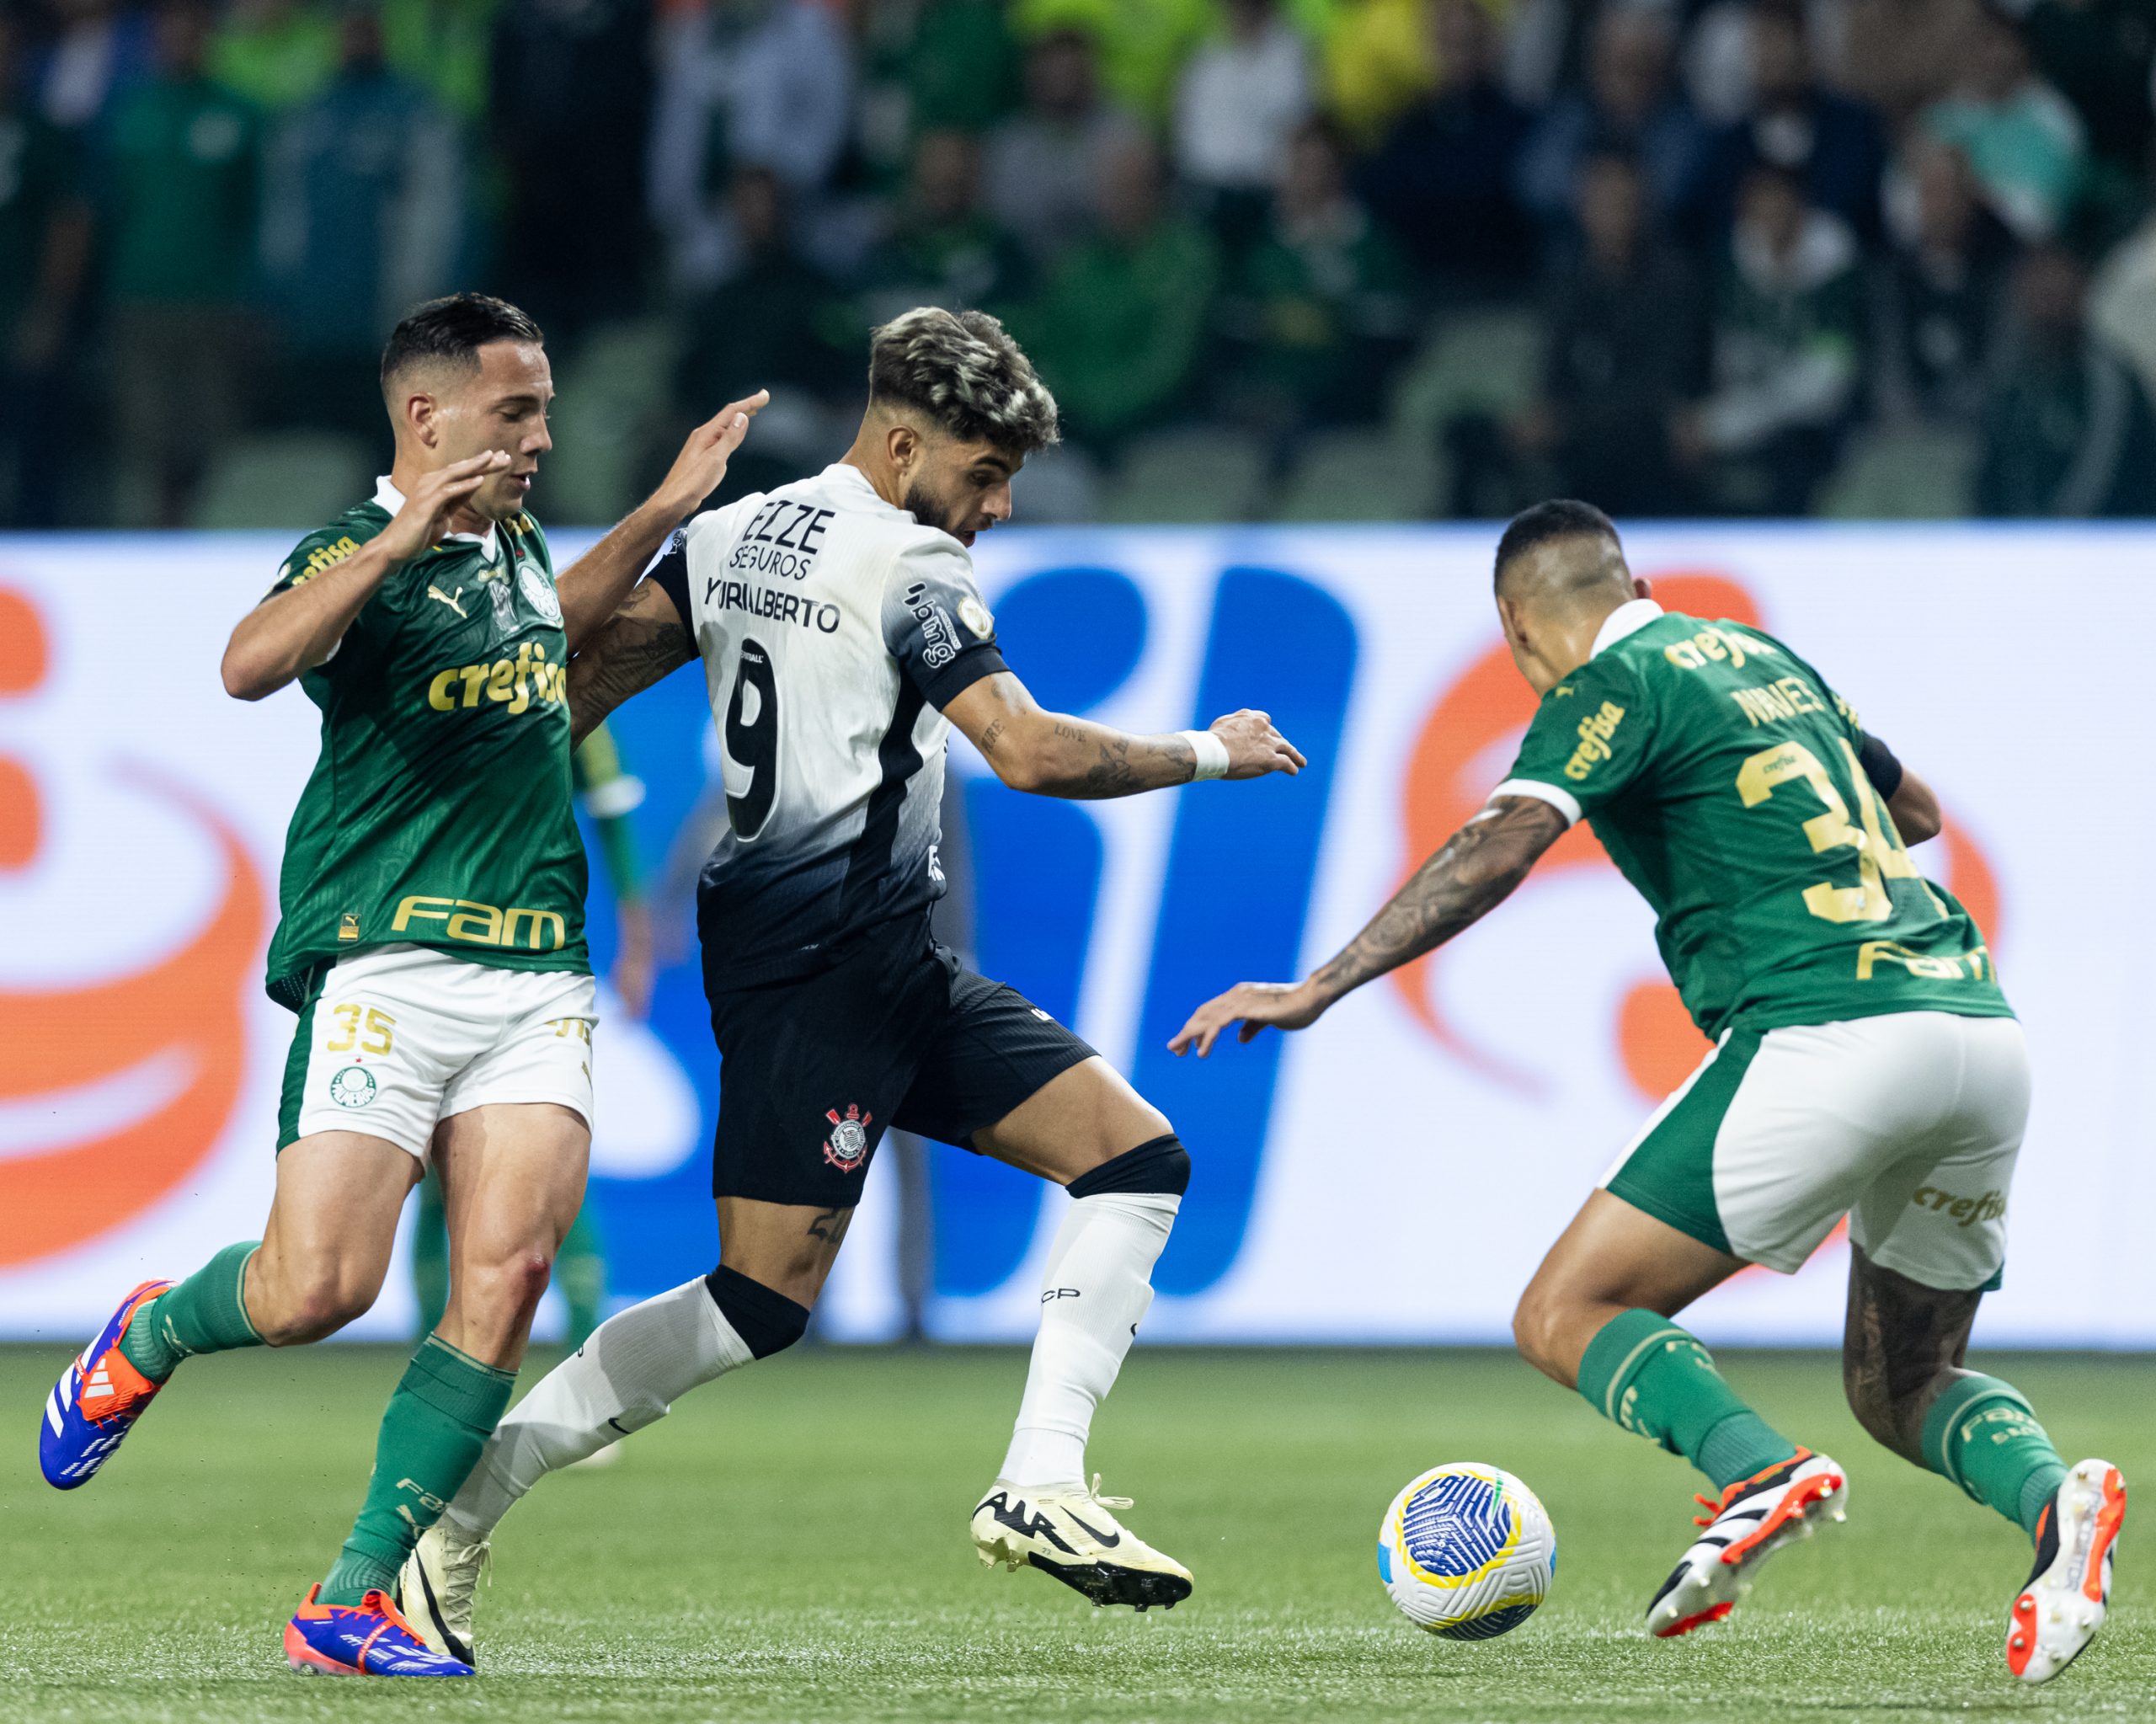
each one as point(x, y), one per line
point(320, 549)
point(671, 574)
point(1588, 743)
point(934, 623)
point(324, 548)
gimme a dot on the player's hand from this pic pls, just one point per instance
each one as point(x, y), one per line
point(1253, 1006)
point(1255, 748)
point(423, 521)
point(702, 464)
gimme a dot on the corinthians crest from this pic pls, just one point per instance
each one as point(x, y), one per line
point(846, 1148)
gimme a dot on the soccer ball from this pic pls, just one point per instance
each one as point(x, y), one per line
point(1467, 1552)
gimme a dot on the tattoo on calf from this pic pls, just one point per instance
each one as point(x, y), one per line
point(1903, 1342)
point(831, 1224)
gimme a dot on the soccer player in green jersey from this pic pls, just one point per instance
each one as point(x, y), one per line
point(431, 941)
point(607, 792)
point(1866, 1064)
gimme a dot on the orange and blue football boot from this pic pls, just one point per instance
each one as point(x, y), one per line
point(371, 1638)
point(96, 1401)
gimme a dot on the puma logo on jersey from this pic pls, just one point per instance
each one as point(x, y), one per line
point(434, 592)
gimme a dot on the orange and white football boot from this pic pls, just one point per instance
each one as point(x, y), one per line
point(1753, 1519)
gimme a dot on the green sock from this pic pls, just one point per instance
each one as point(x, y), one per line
point(1644, 1372)
point(580, 1271)
point(205, 1313)
point(430, 1255)
point(432, 1432)
point(1983, 1435)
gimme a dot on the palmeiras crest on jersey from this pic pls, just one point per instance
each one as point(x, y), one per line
point(846, 1147)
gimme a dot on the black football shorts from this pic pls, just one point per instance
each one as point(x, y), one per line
point(895, 1032)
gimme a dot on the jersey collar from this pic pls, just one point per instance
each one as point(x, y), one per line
point(389, 500)
point(846, 474)
point(1628, 618)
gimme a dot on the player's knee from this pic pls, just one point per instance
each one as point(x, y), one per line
point(766, 1321)
point(494, 1298)
point(312, 1304)
point(1159, 1166)
point(1539, 1329)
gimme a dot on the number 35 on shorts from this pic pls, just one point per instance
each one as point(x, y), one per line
point(355, 1030)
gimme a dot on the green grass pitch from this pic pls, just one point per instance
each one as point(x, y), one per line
point(792, 1545)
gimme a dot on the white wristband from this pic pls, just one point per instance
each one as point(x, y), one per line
point(1212, 755)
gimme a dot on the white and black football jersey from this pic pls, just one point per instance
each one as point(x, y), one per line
point(833, 629)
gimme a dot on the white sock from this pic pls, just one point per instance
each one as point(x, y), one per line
point(628, 1376)
point(1098, 1285)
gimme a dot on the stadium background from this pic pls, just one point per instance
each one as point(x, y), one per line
point(1373, 261)
point(1392, 1176)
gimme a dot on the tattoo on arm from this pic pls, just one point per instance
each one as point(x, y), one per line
point(1125, 765)
point(630, 651)
point(1475, 872)
point(988, 740)
point(831, 1224)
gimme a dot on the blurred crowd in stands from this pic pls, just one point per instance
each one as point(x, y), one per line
point(1295, 258)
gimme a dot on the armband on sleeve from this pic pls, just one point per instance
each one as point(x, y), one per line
point(1879, 766)
point(671, 575)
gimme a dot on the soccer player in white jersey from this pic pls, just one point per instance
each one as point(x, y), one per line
point(842, 636)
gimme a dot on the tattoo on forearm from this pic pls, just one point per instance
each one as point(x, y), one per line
point(629, 652)
point(1475, 872)
point(831, 1224)
point(1113, 773)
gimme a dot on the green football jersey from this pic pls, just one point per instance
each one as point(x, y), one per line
point(1721, 775)
point(439, 812)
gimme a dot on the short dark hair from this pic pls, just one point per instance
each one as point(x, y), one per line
point(452, 331)
point(1560, 518)
point(964, 372)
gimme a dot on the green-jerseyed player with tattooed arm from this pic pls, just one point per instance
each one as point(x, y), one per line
point(1866, 1064)
point(431, 941)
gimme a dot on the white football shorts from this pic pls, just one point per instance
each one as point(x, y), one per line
point(1908, 1123)
point(399, 1039)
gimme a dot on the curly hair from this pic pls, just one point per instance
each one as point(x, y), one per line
point(962, 370)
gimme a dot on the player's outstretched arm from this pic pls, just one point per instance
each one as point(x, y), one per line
point(291, 633)
point(1053, 753)
point(593, 587)
point(1470, 876)
point(645, 640)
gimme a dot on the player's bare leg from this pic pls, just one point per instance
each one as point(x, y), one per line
point(325, 1248)
point(1596, 1318)
point(1089, 1131)
point(1902, 1366)
point(320, 1262)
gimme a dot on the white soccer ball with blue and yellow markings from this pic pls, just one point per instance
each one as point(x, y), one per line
point(1467, 1552)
